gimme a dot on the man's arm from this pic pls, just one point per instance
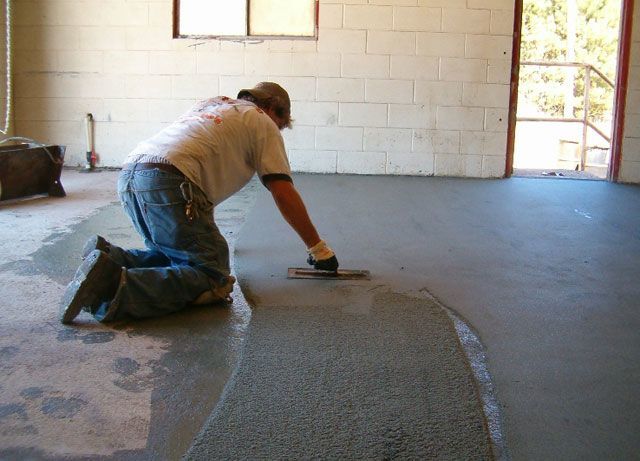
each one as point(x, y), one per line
point(295, 213)
point(293, 210)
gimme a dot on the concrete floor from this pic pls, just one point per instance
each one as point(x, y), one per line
point(124, 391)
point(544, 270)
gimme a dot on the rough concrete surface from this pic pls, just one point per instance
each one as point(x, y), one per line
point(137, 390)
point(385, 379)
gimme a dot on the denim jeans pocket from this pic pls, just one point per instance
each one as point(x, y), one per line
point(164, 216)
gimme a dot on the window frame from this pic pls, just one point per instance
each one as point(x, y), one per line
point(177, 35)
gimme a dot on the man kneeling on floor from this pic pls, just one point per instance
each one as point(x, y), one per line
point(169, 186)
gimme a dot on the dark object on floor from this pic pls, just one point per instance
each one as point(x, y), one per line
point(341, 274)
point(27, 170)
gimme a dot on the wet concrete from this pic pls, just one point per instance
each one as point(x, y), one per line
point(544, 271)
point(378, 375)
point(136, 390)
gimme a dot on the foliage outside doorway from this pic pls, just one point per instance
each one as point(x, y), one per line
point(568, 63)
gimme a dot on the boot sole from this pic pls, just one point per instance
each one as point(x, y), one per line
point(97, 242)
point(81, 291)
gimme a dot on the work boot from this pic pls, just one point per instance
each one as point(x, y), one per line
point(96, 242)
point(96, 282)
point(221, 293)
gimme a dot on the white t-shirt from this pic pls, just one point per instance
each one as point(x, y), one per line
point(219, 144)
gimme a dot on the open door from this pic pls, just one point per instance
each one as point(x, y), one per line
point(568, 88)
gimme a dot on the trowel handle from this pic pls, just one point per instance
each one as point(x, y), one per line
point(89, 131)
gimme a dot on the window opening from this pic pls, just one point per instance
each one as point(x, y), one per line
point(245, 18)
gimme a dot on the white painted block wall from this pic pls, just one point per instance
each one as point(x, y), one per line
point(416, 87)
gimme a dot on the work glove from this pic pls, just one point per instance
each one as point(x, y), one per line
point(322, 257)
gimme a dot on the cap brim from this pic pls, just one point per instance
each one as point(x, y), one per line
point(255, 92)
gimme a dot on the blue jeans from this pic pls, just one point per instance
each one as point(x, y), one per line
point(183, 257)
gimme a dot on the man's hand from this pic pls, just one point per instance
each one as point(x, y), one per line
point(322, 257)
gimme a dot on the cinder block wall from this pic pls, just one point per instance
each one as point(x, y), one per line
point(391, 86)
point(630, 167)
point(416, 87)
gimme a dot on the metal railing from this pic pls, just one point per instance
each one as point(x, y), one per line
point(586, 123)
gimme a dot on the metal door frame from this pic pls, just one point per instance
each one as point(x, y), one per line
point(620, 97)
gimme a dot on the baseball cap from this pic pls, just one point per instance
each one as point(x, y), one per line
point(278, 96)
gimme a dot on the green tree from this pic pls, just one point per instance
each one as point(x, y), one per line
point(544, 38)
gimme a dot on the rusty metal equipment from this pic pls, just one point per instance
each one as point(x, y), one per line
point(28, 169)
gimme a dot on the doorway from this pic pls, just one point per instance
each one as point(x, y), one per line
point(568, 88)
